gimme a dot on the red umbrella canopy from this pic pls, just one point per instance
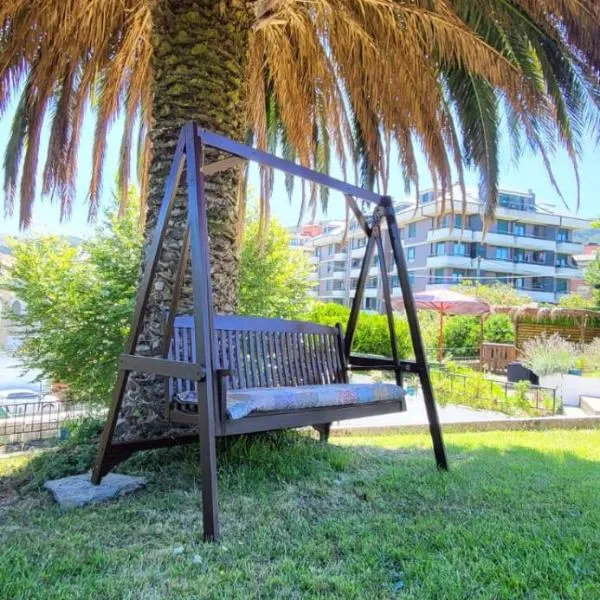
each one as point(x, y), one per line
point(449, 303)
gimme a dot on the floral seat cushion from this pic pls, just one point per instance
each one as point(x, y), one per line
point(240, 403)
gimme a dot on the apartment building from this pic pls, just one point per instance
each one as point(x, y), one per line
point(529, 246)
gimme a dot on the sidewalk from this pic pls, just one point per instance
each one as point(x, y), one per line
point(416, 415)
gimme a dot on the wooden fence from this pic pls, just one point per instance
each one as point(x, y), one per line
point(526, 331)
point(496, 357)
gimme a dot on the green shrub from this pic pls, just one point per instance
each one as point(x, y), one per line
point(372, 335)
point(461, 336)
point(549, 354)
point(499, 329)
point(461, 385)
point(590, 357)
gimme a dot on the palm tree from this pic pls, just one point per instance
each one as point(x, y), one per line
point(353, 76)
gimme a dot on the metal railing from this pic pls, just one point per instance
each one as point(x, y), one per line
point(494, 393)
point(22, 422)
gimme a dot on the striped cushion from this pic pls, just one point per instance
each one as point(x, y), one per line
point(240, 403)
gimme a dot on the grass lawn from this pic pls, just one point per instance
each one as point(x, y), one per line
point(518, 516)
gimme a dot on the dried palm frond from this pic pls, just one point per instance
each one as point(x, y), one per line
point(325, 77)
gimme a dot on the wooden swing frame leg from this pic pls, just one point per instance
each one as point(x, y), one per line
point(109, 454)
point(385, 211)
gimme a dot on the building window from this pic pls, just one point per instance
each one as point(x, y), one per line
point(356, 262)
point(562, 235)
point(410, 253)
point(329, 285)
point(562, 285)
point(372, 282)
point(459, 249)
point(411, 278)
point(440, 249)
point(412, 230)
point(537, 283)
point(501, 278)
point(539, 257)
point(457, 276)
point(519, 229)
point(519, 255)
point(438, 276)
point(331, 249)
point(426, 197)
point(512, 201)
point(353, 283)
point(501, 253)
point(502, 226)
point(370, 303)
point(562, 260)
point(520, 283)
point(458, 222)
point(395, 281)
point(539, 231)
point(318, 251)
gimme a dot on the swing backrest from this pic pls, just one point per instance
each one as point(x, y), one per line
point(261, 352)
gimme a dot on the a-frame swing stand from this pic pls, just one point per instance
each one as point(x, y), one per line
point(203, 369)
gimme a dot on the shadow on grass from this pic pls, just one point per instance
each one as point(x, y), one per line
point(515, 517)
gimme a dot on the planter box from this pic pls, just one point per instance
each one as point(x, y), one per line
point(571, 387)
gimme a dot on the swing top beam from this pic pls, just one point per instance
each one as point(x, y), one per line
point(241, 152)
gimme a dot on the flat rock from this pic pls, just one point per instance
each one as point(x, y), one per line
point(77, 490)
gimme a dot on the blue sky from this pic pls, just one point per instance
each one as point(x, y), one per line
point(528, 174)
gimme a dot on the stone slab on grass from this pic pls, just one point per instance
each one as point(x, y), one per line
point(77, 490)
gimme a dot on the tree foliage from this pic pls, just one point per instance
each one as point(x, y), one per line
point(79, 300)
point(78, 303)
point(592, 276)
point(352, 76)
point(274, 277)
point(500, 294)
point(372, 333)
point(577, 301)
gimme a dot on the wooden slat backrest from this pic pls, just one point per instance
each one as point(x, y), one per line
point(261, 352)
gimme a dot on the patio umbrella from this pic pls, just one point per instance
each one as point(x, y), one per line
point(447, 302)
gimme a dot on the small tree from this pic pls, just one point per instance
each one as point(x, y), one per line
point(500, 294)
point(576, 301)
point(274, 277)
point(78, 303)
point(592, 277)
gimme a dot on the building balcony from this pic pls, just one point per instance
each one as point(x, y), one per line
point(450, 261)
point(512, 213)
point(569, 247)
point(518, 267)
point(374, 270)
point(357, 252)
point(340, 255)
point(538, 295)
point(333, 294)
point(371, 292)
point(531, 242)
point(565, 272)
point(457, 234)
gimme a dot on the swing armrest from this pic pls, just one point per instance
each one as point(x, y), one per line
point(370, 362)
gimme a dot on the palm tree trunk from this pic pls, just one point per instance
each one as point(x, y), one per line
point(200, 49)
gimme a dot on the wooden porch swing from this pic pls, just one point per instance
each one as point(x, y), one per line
point(230, 375)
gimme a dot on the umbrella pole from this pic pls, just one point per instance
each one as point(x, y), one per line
point(441, 337)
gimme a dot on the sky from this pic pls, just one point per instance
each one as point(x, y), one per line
point(528, 174)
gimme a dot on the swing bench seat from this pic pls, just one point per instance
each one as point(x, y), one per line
point(272, 367)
